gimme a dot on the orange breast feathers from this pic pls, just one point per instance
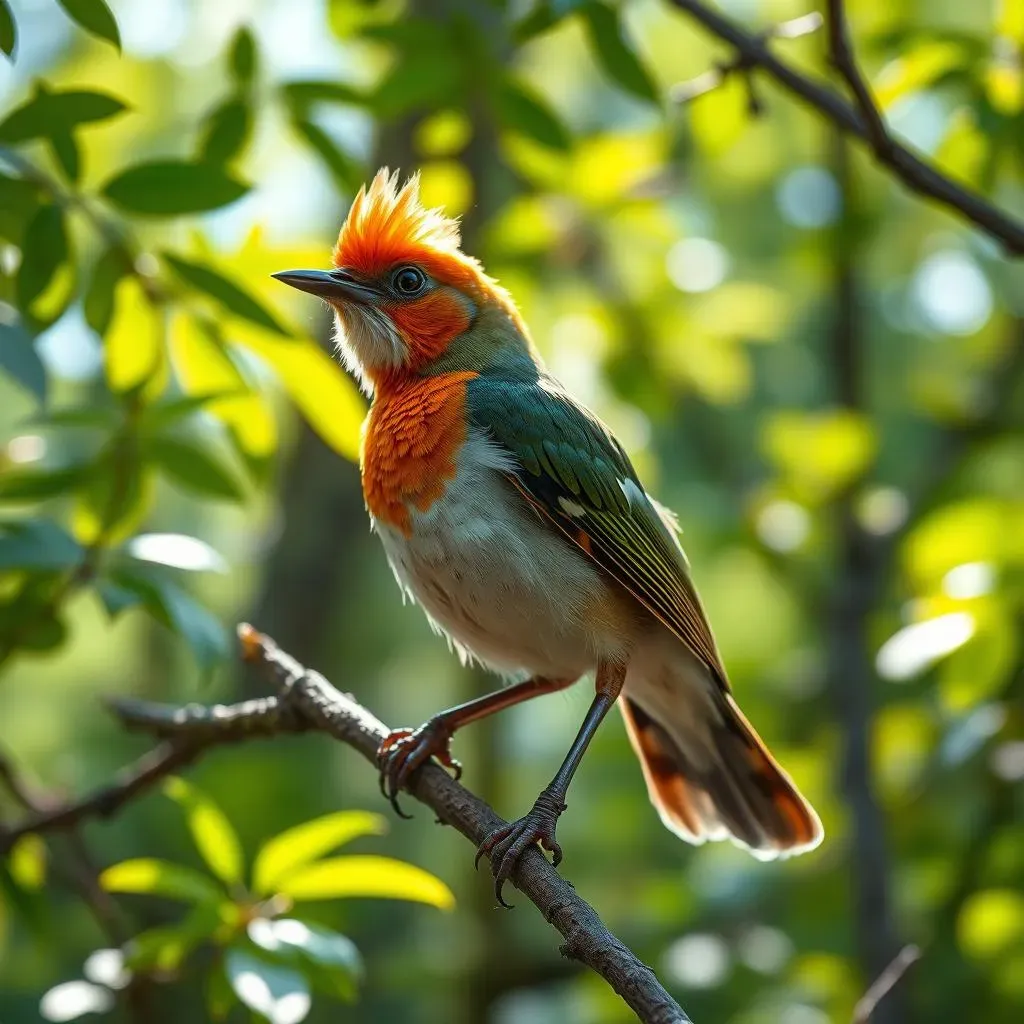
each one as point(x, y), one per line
point(412, 440)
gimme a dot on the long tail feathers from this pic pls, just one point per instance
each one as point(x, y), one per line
point(732, 788)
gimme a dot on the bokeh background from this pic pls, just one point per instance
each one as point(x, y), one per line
point(820, 373)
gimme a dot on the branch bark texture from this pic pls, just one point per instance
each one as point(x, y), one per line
point(862, 120)
point(306, 701)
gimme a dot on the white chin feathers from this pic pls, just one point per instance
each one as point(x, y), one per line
point(367, 341)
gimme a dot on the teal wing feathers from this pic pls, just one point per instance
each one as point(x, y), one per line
point(577, 476)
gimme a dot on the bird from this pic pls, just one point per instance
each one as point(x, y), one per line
point(515, 519)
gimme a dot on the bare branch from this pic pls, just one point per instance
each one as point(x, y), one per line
point(841, 54)
point(918, 175)
point(884, 984)
point(308, 702)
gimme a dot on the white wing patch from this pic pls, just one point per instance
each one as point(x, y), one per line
point(572, 508)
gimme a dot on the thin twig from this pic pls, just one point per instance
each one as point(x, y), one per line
point(918, 175)
point(307, 701)
point(841, 54)
point(884, 984)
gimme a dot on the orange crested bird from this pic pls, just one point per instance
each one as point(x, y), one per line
point(513, 516)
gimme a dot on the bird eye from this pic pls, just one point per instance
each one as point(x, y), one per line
point(409, 280)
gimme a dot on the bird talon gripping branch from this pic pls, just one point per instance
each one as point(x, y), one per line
point(516, 519)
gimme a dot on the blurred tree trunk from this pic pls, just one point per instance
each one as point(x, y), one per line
point(855, 591)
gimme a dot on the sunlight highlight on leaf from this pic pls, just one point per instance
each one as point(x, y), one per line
point(304, 843)
point(134, 344)
point(316, 384)
point(161, 878)
point(212, 832)
point(381, 877)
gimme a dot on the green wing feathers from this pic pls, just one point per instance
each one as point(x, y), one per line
point(576, 474)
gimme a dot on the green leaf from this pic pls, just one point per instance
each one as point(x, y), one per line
point(306, 842)
point(229, 294)
point(278, 993)
point(116, 599)
point(98, 303)
point(211, 831)
point(27, 862)
point(821, 453)
point(522, 110)
point(66, 153)
point(20, 360)
point(381, 877)
point(38, 544)
point(95, 17)
point(346, 172)
point(301, 94)
point(242, 57)
point(922, 66)
point(226, 131)
point(56, 113)
point(161, 878)
point(165, 948)
point(324, 394)
point(195, 468)
point(179, 612)
point(614, 53)
point(45, 248)
point(424, 78)
point(19, 201)
point(133, 348)
point(167, 413)
point(169, 188)
point(330, 959)
point(27, 485)
point(8, 30)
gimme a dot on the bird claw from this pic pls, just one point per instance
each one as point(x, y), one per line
point(403, 751)
point(506, 844)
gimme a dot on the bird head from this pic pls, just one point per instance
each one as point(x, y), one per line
point(404, 295)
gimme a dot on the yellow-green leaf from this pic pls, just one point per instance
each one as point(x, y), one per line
point(1010, 19)
point(133, 350)
point(1004, 86)
point(298, 846)
point(964, 148)
point(341, 877)
point(318, 386)
point(916, 70)
point(28, 862)
point(719, 117)
point(991, 922)
point(212, 832)
point(161, 878)
point(819, 453)
point(204, 367)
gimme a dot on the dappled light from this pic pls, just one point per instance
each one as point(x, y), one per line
point(771, 251)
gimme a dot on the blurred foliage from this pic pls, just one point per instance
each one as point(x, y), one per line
point(686, 268)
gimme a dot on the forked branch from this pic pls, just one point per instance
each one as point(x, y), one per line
point(306, 701)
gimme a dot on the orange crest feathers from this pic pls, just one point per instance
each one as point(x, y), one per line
point(388, 224)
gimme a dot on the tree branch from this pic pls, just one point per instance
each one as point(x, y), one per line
point(308, 702)
point(918, 175)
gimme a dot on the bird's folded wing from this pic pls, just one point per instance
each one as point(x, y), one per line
point(577, 476)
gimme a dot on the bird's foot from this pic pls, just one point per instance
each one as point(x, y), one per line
point(505, 845)
point(404, 750)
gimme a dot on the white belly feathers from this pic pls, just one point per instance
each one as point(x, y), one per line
point(505, 588)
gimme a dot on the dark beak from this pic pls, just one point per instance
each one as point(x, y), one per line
point(339, 285)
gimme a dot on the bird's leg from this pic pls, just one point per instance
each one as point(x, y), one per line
point(404, 750)
point(505, 845)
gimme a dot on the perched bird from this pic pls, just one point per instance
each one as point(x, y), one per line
point(513, 516)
